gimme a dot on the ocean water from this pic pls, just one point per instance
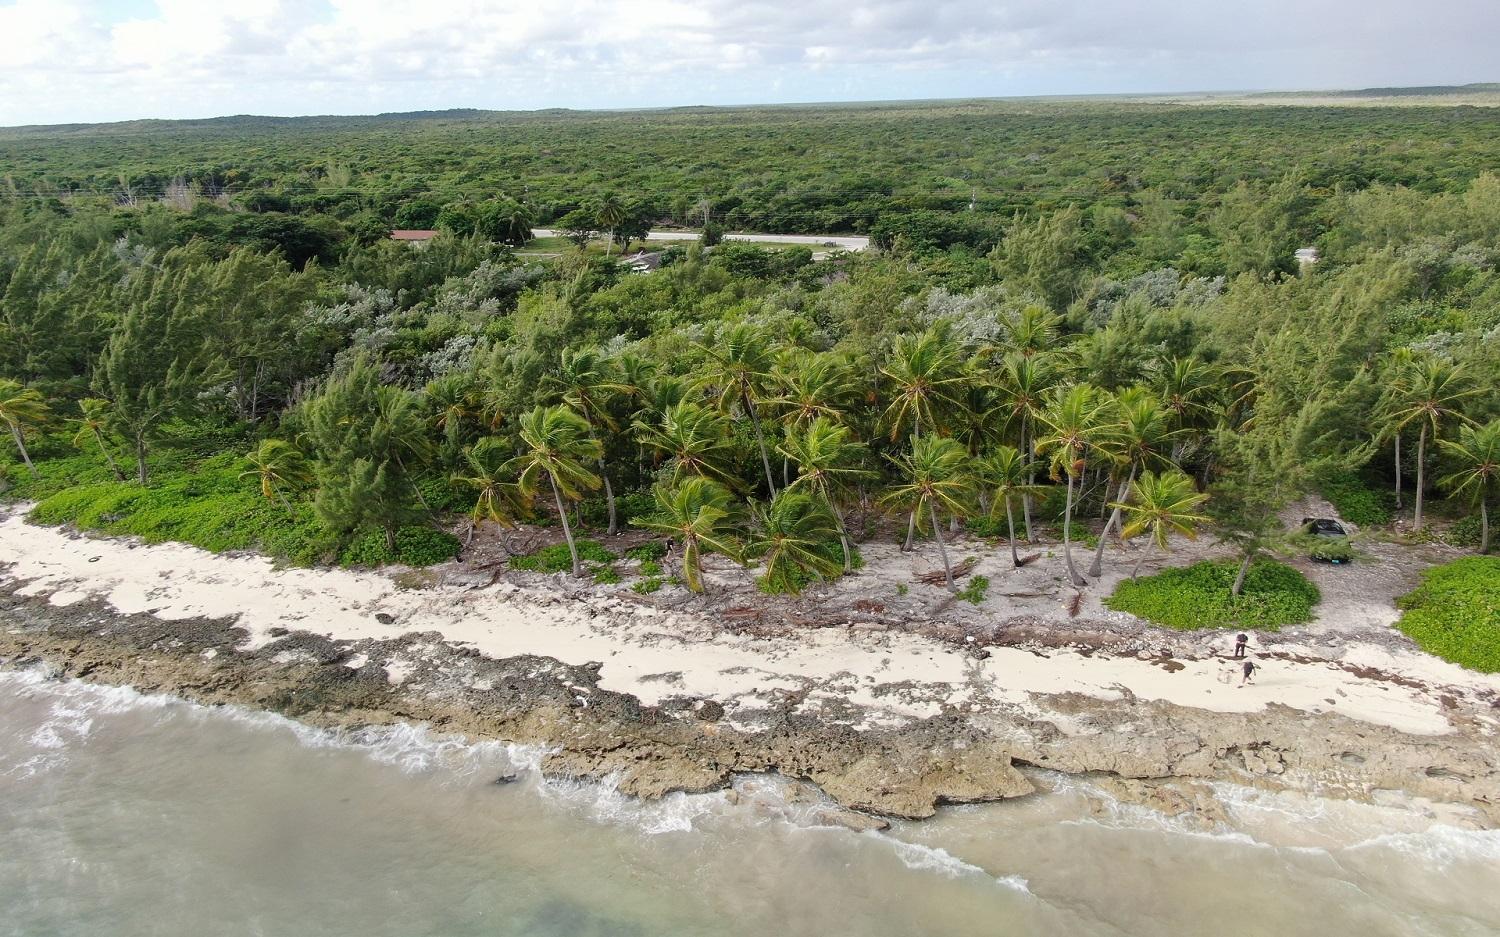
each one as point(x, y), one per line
point(124, 814)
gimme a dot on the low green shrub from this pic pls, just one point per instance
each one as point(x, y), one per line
point(1198, 596)
point(606, 575)
point(976, 590)
point(207, 505)
point(415, 546)
point(1455, 613)
point(1466, 533)
point(647, 586)
point(1327, 549)
point(650, 550)
point(650, 568)
point(556, 559)
point(1355, 501)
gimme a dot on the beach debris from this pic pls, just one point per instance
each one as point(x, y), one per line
point(938, 577)
point(385, 618)
point(1075, 605)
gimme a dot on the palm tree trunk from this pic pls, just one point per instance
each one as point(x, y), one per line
point(15, 433)
point(1144, 553)
point(1239, 578)
point(1421, 456)
point(1097, 567)
point(1010, 528)
point(142, 474)
point(562, 513)
point(911, 530)
point(1484, 525)
point(416, 489)
point(1030, 480)
point(1399, 505)
point(937, 534)
point(113, 465)
point(1073, 576)
point(609, 498)
point(692, 574)
point(760, 439)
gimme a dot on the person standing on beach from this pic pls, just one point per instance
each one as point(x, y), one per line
point(1240, 641)
point(1249, 669)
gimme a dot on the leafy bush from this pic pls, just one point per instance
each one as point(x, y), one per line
point(206, 505)
point(1355, 501)
point(1466, 533)
point(1328, 549)
point(606, 575)
point(556, 559)
point(650, 568)
point(1198, 597)
point(647, 586)
point(650, 550)
point(1455, 613)
point(415, 546)
point(975, 591)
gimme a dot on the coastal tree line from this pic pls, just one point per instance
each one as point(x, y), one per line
point(767, 405)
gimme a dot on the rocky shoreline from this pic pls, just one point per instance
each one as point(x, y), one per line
point(1151, 751)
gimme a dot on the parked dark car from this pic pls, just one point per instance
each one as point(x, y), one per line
point(1330, 541)
point(1323, 527)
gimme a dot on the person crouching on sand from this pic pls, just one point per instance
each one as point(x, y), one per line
point(1240, 641)
point(1249, 670)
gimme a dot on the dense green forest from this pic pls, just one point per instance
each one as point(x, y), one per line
point(1073, 312)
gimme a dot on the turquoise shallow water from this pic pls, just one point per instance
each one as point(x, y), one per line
point(130, 815)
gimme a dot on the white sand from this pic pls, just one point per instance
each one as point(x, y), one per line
point(652, 654)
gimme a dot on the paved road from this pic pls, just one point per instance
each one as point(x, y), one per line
point(843, 242)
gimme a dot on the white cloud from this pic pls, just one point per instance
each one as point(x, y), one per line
point(64, 60)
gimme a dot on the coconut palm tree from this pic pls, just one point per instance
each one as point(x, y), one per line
point(454, 406)
point(608, 214)
point(1070, 424)
point(401, 421)
point(926, 376)
point(696, 513)
point(936, 472)
point(1398, 365)
point(1033, 331)
point(811, 386)
point(559, 444)
point(1008, 474)
point(277, 464)
point(93, 423)
point(585, 381)
point(1477, 453)
point(1159, 506)
point(1021, 387)
point(1139, 437)
point(694, 437)
point(828, 462)
point(1188, 389)
point(21, 407)
point(790, 537)
point(487, 473)
point(739, 368)
point(1431, 393)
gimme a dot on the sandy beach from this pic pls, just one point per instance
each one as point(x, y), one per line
point(863, 678)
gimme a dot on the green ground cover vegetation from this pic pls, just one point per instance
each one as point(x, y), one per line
point(1198, 596)
point(1455, 612)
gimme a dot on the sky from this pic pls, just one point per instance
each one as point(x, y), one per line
point(64, 61)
